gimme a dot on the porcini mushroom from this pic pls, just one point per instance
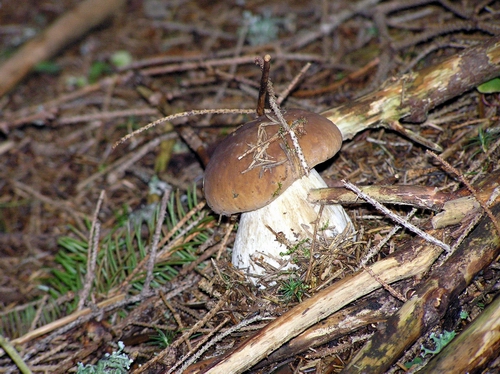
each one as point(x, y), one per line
point(254, 170)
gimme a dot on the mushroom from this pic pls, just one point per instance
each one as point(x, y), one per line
point(255, 170)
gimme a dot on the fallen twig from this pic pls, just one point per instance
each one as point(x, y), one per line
point(156, 238)
point(460, 176)
point(397, 218)
point(413, 95)
point(93, 245)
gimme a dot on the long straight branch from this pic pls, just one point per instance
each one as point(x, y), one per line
point(411, 96)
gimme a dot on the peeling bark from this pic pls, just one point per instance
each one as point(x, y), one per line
point(345, 321)
point(419, 196)
point(454, 207)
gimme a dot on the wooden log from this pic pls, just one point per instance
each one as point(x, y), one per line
point(473, 348)
point(418, 196)
point(411, 96)
point(432, 299)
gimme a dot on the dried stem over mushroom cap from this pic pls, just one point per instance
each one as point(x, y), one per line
point(253, 165)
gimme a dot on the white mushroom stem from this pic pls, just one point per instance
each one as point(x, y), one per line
point(290, 215)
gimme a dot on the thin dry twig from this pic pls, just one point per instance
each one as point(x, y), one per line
point(295, 81)
point(181, 115)
point(384, 284)
point(277, 112)
point(93, 245)
point(396, 217)
point(436, 45)
point(182, 222)
point(476, 164)
point(376, 249)
point(469, 186)
point(208, 248)
point(63, 205)
point(333, 22)
point(107, 115)
point(200, 352)
point(338, 84)
point(225, 239)
point(118, 168)
point(313, 244)
point(41, 308)
point(166, 252)
point(232, 70)
point(91, 265)
point(156, 240)
point(187, 65)
point(261, 101)
point(66, 323)
point(192, 62)
point(176, 316)
point(217, 339)
point(260, 157)
point(185, 335)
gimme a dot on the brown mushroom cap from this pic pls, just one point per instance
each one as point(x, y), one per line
point(235, 185)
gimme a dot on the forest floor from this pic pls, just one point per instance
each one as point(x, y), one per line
point(66, 191)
